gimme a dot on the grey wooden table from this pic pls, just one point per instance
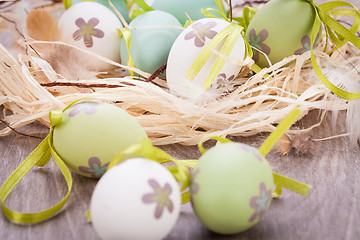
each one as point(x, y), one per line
point(331, 211)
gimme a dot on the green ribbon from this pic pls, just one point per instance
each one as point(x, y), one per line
point(338, 34)
point(143, 5)
point(39, 157)
point(231, 34)
point(146, 150)
point(67, 3)
point(126, 34)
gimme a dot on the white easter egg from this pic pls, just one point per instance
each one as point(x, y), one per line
point(137, 199)
point(93, 27)
point(186, 49)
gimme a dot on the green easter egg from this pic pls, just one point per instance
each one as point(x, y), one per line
point(179, 8)
point(231, 188)
point(120, 5)
point(281, 28)
point(150, 47)
point(91, 134)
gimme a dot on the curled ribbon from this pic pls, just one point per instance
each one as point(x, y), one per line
point(338, 34)
point(39, 157)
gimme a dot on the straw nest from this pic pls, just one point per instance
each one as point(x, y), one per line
point(31, 88)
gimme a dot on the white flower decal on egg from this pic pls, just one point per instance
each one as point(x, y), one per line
point(160, 196)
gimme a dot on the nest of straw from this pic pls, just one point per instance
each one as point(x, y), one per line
point(30, 88)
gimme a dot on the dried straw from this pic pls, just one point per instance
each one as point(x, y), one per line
point(254, 106)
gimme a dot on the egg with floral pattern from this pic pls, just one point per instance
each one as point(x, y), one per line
point(185, 51)
point(91, 134)
point(152, 35)
point(231, 188)
point(281, 28)
point(120, 5)
point(136, 199)
point(184, 9)
point(93, 27)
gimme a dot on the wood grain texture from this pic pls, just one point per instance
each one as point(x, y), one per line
point(331, 211)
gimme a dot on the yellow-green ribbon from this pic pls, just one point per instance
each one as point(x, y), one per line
point(143, 5)
point(39, 157)
point(126, 34)
point(67, 3)
point(231, 34)
point(338, 34)
point(146, 150)
point(279, 180)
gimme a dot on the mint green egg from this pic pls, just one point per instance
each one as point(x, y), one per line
point(150, 47)
point(120, 5)
point(281, 28)
point(179, 8)
point(231, 188)
point(91, 134)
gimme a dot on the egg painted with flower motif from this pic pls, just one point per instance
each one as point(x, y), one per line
point(183, 9)
point(185, 50)
point(136, 199)
point(152, 35)
point(93, 27)
point(281, 28)
point(231, 187)
point(91, 134)
point(120, 5)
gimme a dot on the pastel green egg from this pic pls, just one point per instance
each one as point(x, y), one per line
point(179, 8)
point(281, 28)
point(231, 188)
point(120, 5)
point(91, 134)
point(150, 47)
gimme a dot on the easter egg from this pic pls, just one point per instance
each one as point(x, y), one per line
point(151, 40)
point(179, 8)
point(120, 5)
point(91, 134)
point(185, 51)
point(280, 29)
point(93, 27)
point(136, 199)
point(231, 188)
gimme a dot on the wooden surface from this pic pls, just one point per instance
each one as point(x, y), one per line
point(331, 211)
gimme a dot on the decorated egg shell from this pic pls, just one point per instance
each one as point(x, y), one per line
point(93, 27)
point(150, 47)
point(120, 5)
point(281, 28)
point(137, 199)
point(91, 134)
point(231, 188)
point(179, 8)
point(186, 49)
